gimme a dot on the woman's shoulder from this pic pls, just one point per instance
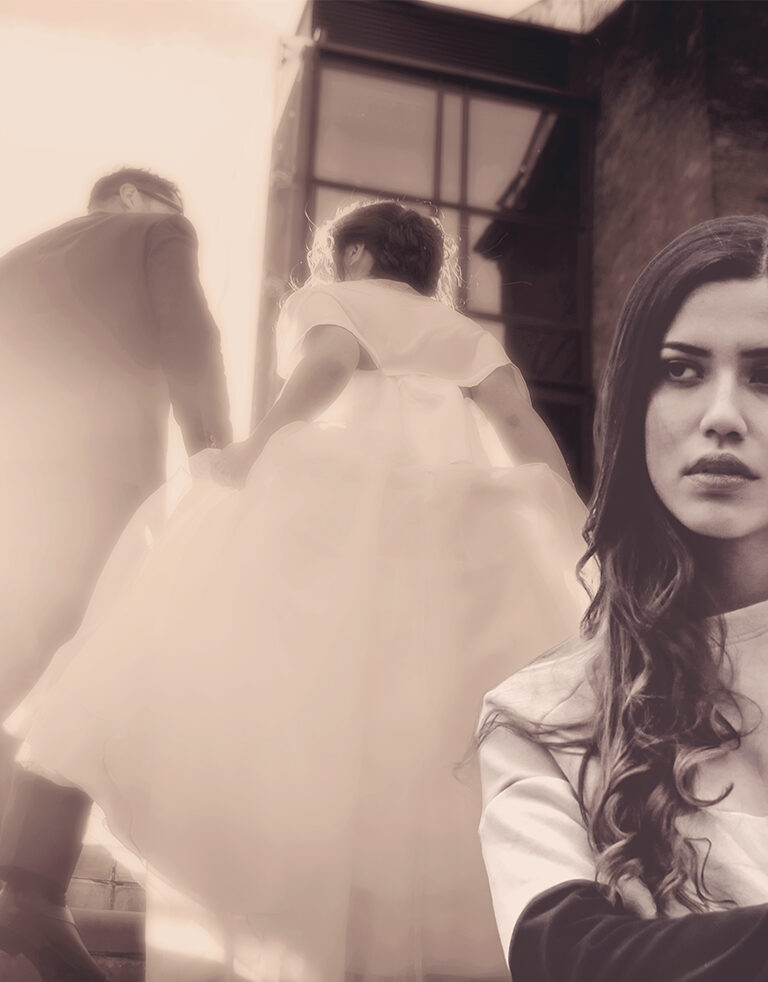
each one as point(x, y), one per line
point(314, 303)
point(351, 288)
point(554, 689)
point(405, 332)
point(349, 298)
point(301, 294)
point(382, 295)
point(378, 291)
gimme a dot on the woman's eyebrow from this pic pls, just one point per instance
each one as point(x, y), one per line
point(688, 349)
point(692, 349)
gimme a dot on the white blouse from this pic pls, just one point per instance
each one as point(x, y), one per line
point(532, 832)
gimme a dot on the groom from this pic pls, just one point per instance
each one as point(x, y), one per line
point(103, 329)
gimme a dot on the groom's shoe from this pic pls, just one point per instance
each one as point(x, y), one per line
point(46, 934)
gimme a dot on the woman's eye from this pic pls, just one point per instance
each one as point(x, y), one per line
point(759, 375)
point(676, 370)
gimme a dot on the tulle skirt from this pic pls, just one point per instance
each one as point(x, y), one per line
point(274, 693)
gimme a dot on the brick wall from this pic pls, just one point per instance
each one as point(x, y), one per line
point(682, 134)
point(653, 163)
point(737, 90)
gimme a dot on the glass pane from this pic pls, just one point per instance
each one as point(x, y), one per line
point(546, 354)
point(329, 200)
point(450, 160)
point(484, 284)
point(523, 159)
point(569, 423)
point(376, 132)
point(500, 134)
point(526, 271)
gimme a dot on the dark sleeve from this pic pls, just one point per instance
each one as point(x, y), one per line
point(189, 340)
point(571, 933)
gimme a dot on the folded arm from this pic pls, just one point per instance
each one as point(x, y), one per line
point(554, 922)
point(503, 398)
point(188, 338)
point(571, 933)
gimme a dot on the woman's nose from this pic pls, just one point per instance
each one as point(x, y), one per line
point(723, 416)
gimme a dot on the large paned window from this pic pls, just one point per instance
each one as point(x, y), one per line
point(507, 179)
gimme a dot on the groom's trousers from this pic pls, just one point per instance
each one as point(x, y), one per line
point(56, 544)
point(41, 836)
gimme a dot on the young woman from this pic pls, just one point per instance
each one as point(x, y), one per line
point(625, 772)
point(271, 710)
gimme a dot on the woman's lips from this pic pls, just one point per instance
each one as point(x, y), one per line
point(724, 481)
point(721, 472)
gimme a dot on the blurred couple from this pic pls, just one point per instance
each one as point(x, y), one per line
point(268, 696)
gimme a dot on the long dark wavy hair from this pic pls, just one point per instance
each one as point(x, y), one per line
point(661, 674)
point(406, 246)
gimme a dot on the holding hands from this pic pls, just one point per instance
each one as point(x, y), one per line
point(231, 466)
point(330, 356)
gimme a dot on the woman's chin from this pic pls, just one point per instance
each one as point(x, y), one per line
point(724, 521)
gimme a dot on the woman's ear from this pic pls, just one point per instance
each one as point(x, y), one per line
point(357, 261)
point(352, 254)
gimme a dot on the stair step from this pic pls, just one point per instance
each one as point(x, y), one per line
point(18, 969)
point(108, 907)
point(95, 863)
point(100, 882)
point(122, 969)
point(111, 932)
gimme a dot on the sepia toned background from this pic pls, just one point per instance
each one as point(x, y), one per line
point(562, 143)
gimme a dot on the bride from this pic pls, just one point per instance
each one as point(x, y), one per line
point(270, 705)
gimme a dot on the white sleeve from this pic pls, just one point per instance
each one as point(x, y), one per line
point(487, 356)
point(531, 831)
point(307, 308)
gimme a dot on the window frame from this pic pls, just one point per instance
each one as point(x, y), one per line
point(576, 392)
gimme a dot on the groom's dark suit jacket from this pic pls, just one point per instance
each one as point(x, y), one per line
point(103, 327)
point(103, 323)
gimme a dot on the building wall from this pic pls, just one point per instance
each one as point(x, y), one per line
point(653, 153)
point(682, 134)
point(737, 89)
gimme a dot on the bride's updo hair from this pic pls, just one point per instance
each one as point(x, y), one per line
point(405, 245)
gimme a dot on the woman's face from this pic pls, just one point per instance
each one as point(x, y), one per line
point(706, 429)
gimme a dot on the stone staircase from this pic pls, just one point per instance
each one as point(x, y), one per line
point(109, 908)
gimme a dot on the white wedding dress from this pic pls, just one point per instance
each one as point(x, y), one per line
point(272, 689)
